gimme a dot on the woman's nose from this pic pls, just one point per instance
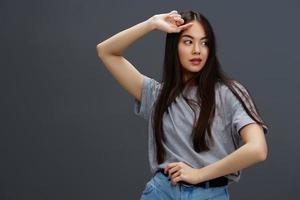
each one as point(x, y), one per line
point(196, 49)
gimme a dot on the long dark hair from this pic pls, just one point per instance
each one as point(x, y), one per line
point(206, 79)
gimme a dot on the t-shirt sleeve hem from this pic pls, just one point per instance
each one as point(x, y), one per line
point(245, 122)
point(139, 107)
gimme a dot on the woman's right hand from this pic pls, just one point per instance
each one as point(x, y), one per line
point(169, 22)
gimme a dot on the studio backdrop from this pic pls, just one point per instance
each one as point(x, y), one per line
point(68, 130)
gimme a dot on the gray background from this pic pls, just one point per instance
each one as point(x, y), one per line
point(68, 130)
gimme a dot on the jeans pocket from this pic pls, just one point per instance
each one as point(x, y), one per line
point(227, 193)
point(148, 188)
point(219, 193)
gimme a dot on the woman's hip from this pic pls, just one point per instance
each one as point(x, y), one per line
point(160, 187)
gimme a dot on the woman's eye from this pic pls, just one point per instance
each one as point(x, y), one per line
point(204, 43)
point(187, 41)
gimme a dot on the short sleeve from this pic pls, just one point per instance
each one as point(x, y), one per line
point(150, 91)
point(238, 115)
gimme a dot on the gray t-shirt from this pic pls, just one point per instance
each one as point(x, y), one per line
point(230, 117)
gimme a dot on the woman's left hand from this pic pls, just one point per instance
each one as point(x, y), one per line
point(180, 171)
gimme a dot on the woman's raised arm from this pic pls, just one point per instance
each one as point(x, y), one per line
point(111, 50)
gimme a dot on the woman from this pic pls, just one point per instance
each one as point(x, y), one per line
point(192, 154)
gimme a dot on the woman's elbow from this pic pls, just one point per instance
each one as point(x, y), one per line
point(99, 50)
point(262, 153)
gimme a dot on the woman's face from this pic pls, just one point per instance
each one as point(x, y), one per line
point(192, 45)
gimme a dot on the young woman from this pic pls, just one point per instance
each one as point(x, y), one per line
point(203, 126)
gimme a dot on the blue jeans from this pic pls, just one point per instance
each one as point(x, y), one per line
point(160, 188)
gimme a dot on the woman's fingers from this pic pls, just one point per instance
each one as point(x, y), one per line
point(171, 19)
point(180, 28)
point(174, 22)
point(175, 19)
point(174, 11)
point(183, 27)
point(175, 16)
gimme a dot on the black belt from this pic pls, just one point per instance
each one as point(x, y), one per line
point(217, 182)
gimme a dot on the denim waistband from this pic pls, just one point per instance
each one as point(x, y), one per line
point(217, 182)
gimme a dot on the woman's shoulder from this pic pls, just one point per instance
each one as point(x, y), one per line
point(228, 92)
point(236, 85)
point(151, 82)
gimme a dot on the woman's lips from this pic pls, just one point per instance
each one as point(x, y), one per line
point(195, 61)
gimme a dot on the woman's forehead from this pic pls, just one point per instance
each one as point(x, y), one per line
point(196, 31)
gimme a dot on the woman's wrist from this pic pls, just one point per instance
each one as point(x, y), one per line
point(151, 23)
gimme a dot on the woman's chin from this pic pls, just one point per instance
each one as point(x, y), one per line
point(195, 69)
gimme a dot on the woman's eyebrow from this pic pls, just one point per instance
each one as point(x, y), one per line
point(205, 37)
